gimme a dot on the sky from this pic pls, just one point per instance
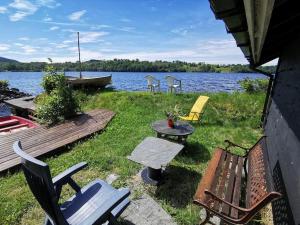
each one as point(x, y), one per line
point(186, 30)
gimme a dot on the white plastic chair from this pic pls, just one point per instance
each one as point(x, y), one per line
point(173, 84)
point(152, 83)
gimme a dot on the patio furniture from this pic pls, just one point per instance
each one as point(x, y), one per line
point(96, 203)
point(173, 84)
point(152, 83)
point(181, 130)
point(197, 109)
point(220, 190)
point(154, 153)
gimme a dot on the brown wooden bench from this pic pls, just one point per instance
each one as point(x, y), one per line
point(236, 187)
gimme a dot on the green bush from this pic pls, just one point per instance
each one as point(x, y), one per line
point(254, 86)
point(52, 79)
point(58, 102)
point(4, 84)
point(57, 106)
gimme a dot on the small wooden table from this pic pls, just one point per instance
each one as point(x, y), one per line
point(181, 130)
point(154, 153)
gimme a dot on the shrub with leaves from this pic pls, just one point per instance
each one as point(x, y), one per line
point(3, 84)
point(58, 102)
point(254, 86)
point(53, 81)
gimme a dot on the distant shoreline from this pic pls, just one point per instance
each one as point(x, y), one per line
point(74, 71)
point(124, 65)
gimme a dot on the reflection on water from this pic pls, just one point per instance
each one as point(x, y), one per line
point(130, 81)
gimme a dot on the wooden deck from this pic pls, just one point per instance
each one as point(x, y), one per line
point(41, 140)
point(23, 104)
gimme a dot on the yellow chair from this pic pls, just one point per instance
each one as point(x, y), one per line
point(197, 109)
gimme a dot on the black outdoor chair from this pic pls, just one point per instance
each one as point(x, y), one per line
point(96, 203)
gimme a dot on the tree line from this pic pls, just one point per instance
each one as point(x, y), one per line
point(125, 65)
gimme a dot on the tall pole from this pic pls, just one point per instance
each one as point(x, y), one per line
point(79, 56)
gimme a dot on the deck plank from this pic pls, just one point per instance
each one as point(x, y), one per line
point(24, 103)
point(41, 140)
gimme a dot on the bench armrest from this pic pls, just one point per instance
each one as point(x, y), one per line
point(265, 199)
point(65, 177)
point(215, 197)
point(231, 144)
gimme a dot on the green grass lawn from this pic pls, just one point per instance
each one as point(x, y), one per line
point(227, 116)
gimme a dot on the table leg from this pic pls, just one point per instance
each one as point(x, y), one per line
point(182, 139)
point(151, 176)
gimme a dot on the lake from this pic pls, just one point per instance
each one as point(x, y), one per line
point(134, 81)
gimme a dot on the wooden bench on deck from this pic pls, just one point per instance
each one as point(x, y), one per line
point(227, 192)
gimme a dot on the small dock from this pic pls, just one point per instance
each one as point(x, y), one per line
point(22, 104)
point(41, 140)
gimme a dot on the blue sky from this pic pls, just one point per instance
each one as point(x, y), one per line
point(33, 30)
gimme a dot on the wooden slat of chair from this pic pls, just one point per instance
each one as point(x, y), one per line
point(207, 179)
point(230, 185)
point(216, 175)
point(222, 183)
point(237, 190)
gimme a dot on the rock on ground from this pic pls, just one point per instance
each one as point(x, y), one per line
point(145, 211)
point(111, 178)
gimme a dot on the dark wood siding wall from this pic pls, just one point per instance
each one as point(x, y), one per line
point(283, 125)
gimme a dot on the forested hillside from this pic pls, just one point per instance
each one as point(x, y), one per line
point(125, 65)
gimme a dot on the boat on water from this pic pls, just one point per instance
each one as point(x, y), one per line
point(13, 124)
point(97, 82)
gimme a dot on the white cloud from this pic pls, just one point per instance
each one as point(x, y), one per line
point(221, 51)
point(54, 28)
point(47, 49)
point(23, 5)
point(66, 58)
point(209, 51)
point(68, 41)
point(90, 37)
point(47, 19)
point(73, 49)
point(3, 9)
point(4, 47)
point(18, 16)
point(69, 30)
point(42, 39)
point(75, 16)
point(24, 8)
point(48, 3)
point(29, 49)
point(152, 56)
point(125, 20)
point(18, 44)
point(127, 29)
point(88, 54)
point(99, 27)
point(180, 31)
point(61, 45)
point(24, 39)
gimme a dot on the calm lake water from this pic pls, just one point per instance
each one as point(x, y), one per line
point(130, 81)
